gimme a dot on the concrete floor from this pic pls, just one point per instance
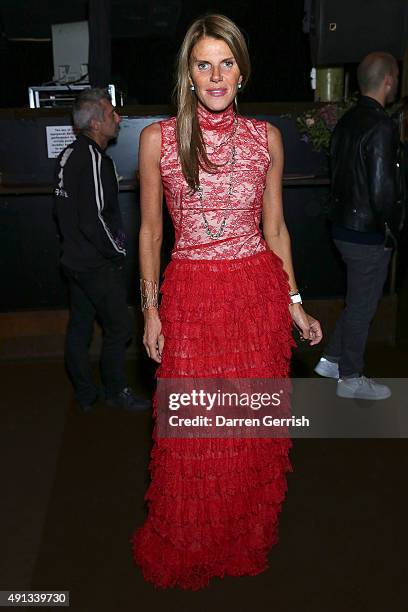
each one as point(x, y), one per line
point(73, 486)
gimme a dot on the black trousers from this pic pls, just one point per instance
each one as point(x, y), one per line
point(367, 268)
point(98, 294)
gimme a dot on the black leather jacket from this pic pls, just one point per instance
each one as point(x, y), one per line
point(364, 169)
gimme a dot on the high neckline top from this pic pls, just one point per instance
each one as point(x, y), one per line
point(231, 196)
point(221, 121)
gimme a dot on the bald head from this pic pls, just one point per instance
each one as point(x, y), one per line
point(374, 69)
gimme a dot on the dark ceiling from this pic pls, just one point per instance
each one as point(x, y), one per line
point(27, 18)
point(146, 35)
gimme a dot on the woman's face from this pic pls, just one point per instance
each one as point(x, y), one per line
point(214, 73)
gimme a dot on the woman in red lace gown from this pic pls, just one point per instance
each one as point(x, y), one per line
point(226, 311)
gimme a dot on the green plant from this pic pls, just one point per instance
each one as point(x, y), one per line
point(317, 124)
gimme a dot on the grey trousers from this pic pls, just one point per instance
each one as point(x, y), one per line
point(367, 268)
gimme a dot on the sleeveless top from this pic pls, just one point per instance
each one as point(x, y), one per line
point(242, 209)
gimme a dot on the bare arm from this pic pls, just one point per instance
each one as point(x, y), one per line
point(274, 226)
point(151, 229)
point(277, 235)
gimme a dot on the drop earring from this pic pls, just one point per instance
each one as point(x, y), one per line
point(239, 85)
point(192, 87)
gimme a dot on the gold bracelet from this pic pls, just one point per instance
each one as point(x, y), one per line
point(149, 294)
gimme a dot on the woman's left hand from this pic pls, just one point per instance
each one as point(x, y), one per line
point(308, 327)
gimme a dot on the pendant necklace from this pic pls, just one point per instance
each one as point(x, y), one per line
point(217, 234)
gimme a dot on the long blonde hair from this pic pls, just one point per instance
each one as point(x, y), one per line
point(190, 142)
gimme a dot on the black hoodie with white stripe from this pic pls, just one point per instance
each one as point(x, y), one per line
point(86, 206)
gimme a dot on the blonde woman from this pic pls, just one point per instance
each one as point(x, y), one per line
point(228, 302)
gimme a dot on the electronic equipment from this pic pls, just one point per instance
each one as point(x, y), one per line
point(70, 48)
point(49, 96)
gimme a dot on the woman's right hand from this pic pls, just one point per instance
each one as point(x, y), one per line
point(153, 338)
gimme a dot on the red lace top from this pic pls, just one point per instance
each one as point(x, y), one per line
point(242, 209)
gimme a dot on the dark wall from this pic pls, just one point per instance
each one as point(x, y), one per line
point(146, 35)
point(30, 248)
point(29, 251)
point(29, 244)
point(24, 161)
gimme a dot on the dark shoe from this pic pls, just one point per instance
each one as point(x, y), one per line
point(87, 406)
point(129, 401)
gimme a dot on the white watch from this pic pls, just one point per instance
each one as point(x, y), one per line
point(295, 298)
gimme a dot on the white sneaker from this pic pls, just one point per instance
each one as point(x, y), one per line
point(327, 368)
point(362, 388)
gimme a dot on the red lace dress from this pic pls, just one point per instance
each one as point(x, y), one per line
point(214, 503)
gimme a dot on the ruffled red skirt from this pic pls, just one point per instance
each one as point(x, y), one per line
point(214, 503)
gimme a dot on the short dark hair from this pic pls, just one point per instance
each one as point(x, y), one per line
point(373, 70)
point(87, 107)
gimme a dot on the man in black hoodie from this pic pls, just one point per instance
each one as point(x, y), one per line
point(93, 253)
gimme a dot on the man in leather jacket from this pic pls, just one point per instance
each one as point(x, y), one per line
point(365, 215)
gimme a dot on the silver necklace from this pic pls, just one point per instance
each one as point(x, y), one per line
point(214, 147)
point(215, 235)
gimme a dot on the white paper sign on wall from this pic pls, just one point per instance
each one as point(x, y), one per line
point(58, 137)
